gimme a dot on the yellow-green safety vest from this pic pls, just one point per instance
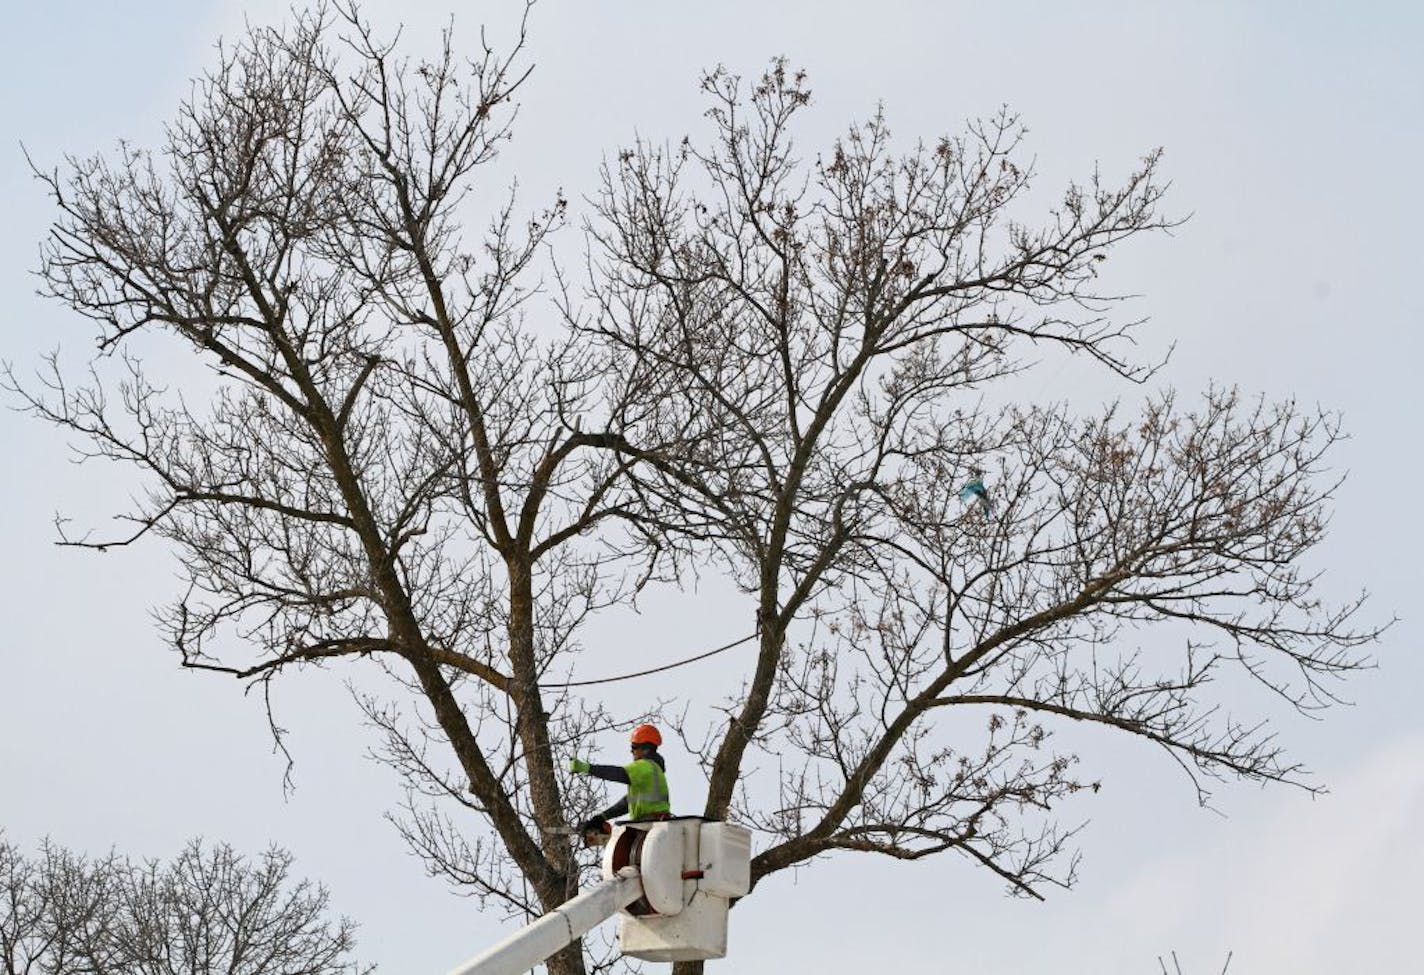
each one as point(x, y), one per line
point(647, 789)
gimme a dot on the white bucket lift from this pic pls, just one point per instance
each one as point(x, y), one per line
point(671, 880)
point(690, 870)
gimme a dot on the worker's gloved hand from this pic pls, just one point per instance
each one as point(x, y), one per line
point(578, 766)
point(595, 831)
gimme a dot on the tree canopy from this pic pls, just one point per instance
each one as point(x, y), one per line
point(421, 447)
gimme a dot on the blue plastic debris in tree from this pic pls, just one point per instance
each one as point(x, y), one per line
point(976, 491)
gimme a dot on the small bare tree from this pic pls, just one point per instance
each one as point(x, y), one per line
point(914, 555)
point(208, 912)
point(55, 911)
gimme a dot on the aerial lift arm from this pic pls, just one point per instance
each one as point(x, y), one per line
point(526, 948)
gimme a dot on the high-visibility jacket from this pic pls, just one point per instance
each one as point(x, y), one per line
point(647, 788)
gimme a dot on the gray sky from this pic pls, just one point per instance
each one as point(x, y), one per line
point(1293, 140)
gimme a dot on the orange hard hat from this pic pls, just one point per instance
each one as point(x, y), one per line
point(646, 734)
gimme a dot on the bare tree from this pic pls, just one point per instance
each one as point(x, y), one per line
point(207, 912)
point(781, 370)
point(938, 581)
point(55, 911)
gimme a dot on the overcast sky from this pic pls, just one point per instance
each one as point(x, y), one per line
point(1293, 140)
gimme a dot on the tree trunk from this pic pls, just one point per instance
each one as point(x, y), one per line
point(532, 728)
point(531, 721)
point(568, 961)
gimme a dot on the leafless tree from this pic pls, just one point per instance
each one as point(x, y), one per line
point(55, 911)
point(784, 370)
point(939, 580)
point(207, 912)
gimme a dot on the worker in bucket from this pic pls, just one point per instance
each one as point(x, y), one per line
point(647, 796)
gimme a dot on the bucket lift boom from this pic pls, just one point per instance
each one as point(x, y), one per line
point(572, 919)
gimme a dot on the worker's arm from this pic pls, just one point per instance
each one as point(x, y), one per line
point(609, 773)
point(599, 823)
point(619, 808)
